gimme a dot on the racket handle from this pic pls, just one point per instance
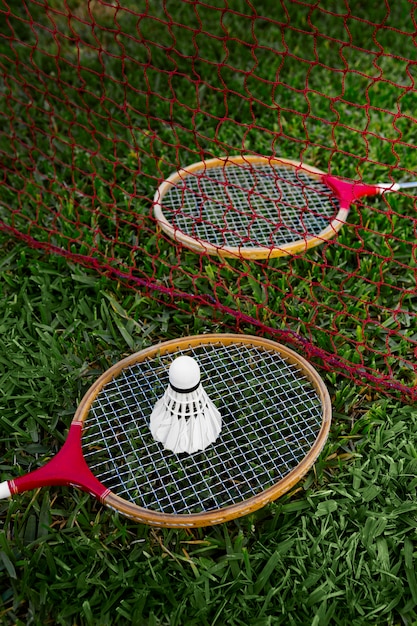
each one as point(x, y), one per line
point(5, 490)
point(408, 185)
point(68, 467)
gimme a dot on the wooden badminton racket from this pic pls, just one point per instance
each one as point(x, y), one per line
point(256, 207)
point(276, 416)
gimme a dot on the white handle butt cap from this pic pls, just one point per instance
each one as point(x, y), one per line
point(5, 490)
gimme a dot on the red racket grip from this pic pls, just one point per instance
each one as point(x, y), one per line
point(68, 467)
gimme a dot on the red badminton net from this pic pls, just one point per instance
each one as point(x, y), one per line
point(101, 101)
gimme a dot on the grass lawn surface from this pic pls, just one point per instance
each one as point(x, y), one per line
point(92, 120)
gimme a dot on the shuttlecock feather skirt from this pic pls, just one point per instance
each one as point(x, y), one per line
point(185, 422)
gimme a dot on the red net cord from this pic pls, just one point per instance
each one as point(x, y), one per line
point(102, 101)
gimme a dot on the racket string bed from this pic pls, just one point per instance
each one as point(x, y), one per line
point(260, 432)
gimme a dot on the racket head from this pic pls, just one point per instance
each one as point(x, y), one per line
point(271, 435)
point(249, 206)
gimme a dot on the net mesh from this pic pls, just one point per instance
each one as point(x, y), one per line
point(101, 101)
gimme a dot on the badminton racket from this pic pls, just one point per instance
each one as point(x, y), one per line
point(256, 207)
point(276, 416)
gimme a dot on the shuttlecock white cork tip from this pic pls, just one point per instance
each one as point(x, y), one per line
point(184, 374)
point(184, 419)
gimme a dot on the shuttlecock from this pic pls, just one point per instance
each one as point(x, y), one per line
point(185, 419)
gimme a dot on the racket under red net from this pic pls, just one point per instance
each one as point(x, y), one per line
point(257, 207)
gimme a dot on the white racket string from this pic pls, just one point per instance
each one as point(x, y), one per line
point(248, 204)
point(271, 416)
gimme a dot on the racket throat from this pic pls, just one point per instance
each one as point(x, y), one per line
point(67, 468)
point(348, 192)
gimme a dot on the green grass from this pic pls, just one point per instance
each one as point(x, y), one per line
point(340, 548)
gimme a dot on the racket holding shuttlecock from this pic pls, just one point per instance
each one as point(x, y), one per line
point(184, 419)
